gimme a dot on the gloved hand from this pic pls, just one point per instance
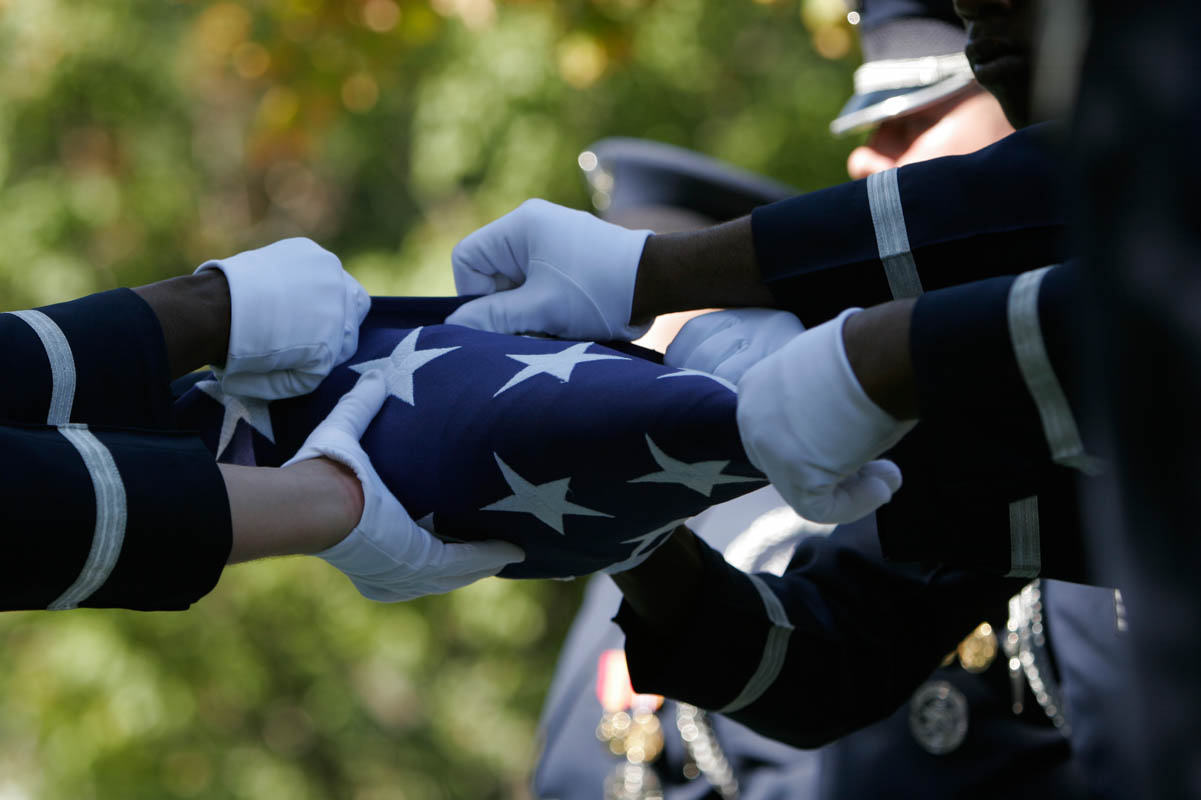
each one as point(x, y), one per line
point(728, 343)
point(808, 425)
point(294, 316)
point(387, 556)
point(549, 269)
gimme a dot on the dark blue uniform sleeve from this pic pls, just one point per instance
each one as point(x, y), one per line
point(109, 518)
point(100, 360)
point(837, 642)
point(998, 442)
point(103, 505)
point(916, 228)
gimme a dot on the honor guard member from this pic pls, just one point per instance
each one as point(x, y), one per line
point(843, 636)
point(896, 234)
point(998, 394)
point(802, 265)
point(972, 727)
point(1134, 128)
point(1013, 745)
point(106, 505)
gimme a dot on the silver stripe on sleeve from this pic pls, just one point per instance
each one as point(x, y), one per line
point(111, 515)
point(775, 650)
point(892, 238)
point(1025, 331)
point(62, 364)
point(1025, 546)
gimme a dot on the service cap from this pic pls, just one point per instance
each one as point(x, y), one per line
point(912, 58)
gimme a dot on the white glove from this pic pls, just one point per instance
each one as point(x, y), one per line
point(294, 316)
point(387, 556)
point(549, 269)
point(728, 343)
point(808, 425)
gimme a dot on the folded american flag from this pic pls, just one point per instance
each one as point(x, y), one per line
point(587, 456)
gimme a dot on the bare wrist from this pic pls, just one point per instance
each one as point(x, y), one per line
point(302, 509)
point(193, 312)
point(877, 347)
point(710, 268)
point(335, 497)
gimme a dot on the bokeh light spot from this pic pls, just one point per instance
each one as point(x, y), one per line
point(381, 16)
point(222, 27)
point(186, 773)
point(476, 14)
point(360, 92)
point(289, 184)
point(582, 60)
point(832, 42)
point(251, 60)
point(279, 107)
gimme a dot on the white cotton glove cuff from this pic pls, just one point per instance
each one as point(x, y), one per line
point(387, 556)
point(294, 316)
point(728, 343)
point(549, 269)
point(808, 425)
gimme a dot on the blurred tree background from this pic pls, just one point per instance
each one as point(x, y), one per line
point(140, 137)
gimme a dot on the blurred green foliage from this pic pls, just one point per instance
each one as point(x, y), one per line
point(141, 137)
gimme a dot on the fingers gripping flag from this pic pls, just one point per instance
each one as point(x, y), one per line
point(585, 456)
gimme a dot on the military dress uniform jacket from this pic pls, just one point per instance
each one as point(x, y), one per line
point(843, 637)
point(928, 228)
point(104, 504)
point(838, 641)
point(998, 442)
point(915, 228)
point(995, 752)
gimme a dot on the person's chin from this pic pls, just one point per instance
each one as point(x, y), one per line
point(1007, 78)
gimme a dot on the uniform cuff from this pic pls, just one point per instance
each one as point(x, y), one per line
point(179, 531)
point(680, 662)
point(100, 359)
point(119, 518)
point(811, 248)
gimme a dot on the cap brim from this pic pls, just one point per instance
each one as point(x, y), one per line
point(864, 111)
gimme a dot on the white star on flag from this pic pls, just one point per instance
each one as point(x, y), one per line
point(558, 364)
point(547, 501)
point(643, 549)
point(700, 476)
point(696, 373)
point(398, 368)
point(251, 409)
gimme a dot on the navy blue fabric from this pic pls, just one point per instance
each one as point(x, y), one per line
point(866, 633)
point(573, 763)
point(1003, 753)
point(50, 510)
point(923, 521)
point(120, 363)
point(963, 362)
point(965, 371)
point(981, 444)
point(1137, 114)
point(994, 212)
point(442, 455)
point(177, 534)
point(1092, 656)
point(819, 249)
point(874, 13)
point(25, 365)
